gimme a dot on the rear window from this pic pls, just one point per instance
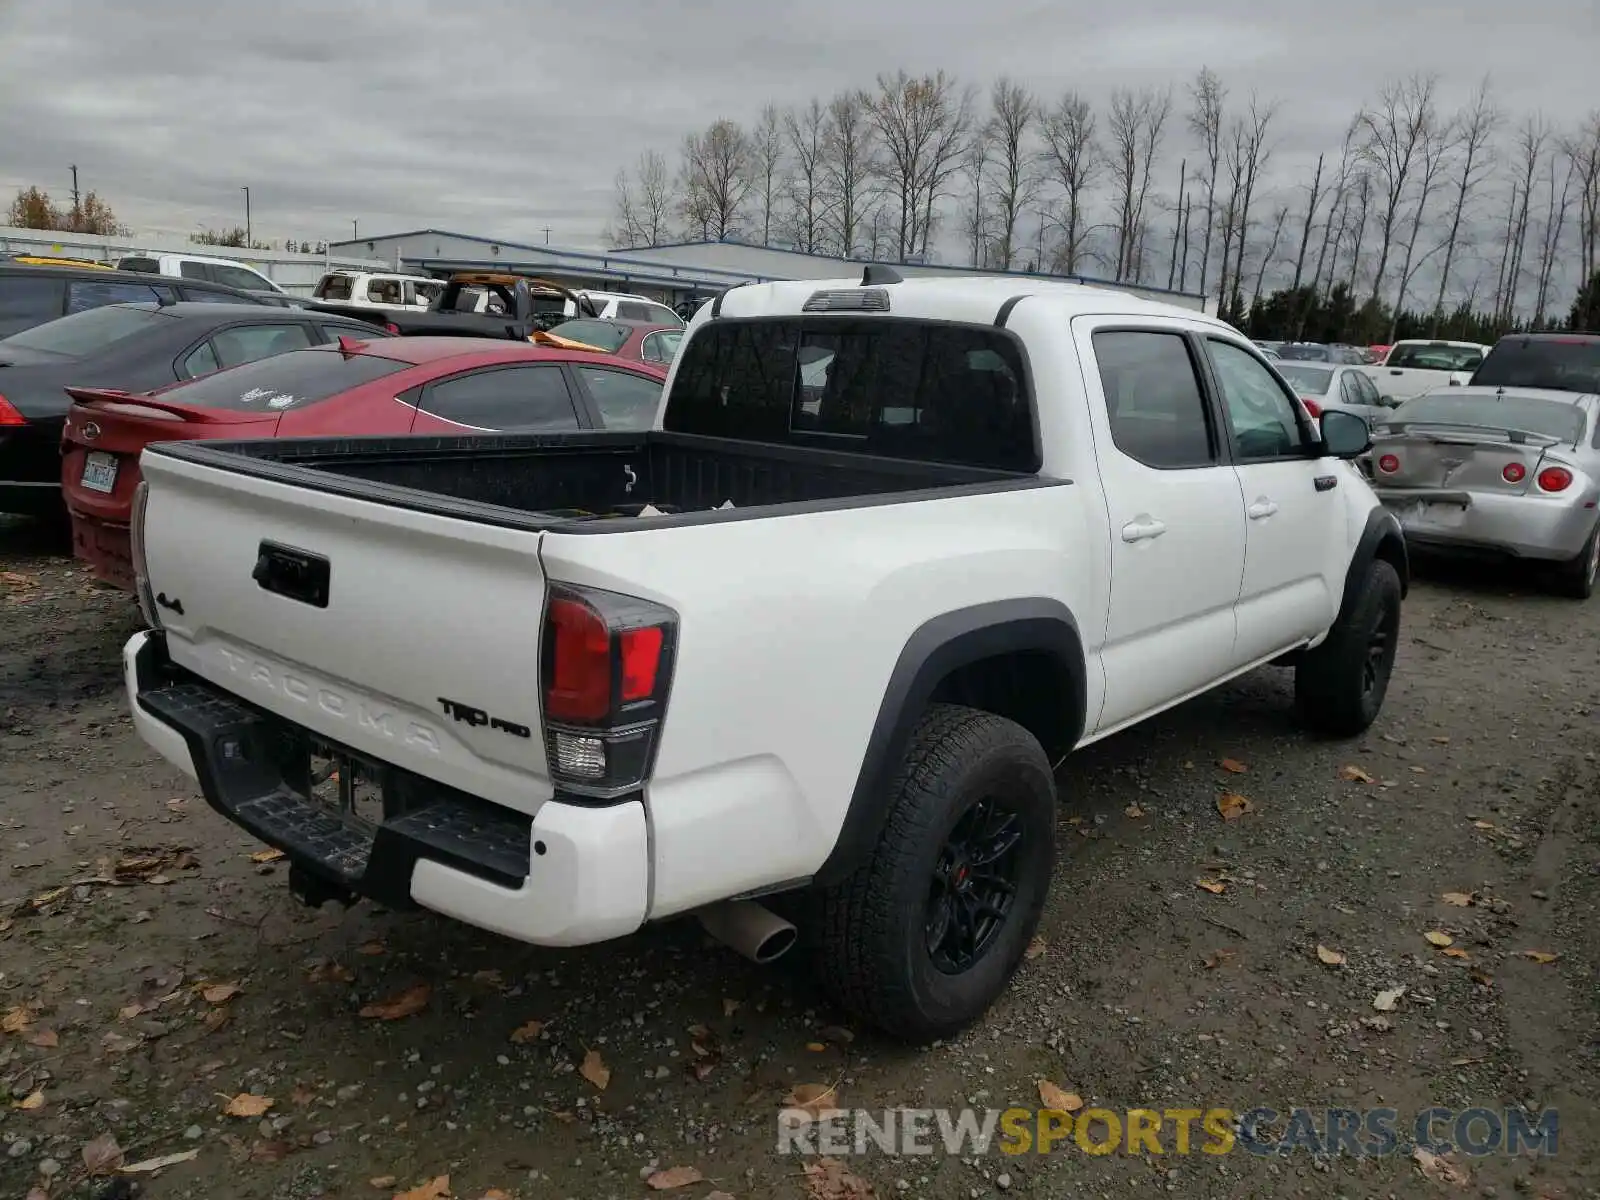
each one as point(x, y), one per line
point(293, 380)
point(896, 388)
point(332, 287)
point(1553, 418)
point(1420, 356)
point(602, 334)
point(1304, 353)
point(86, 332)
point(1307, 379)
point(150, 265)
point(1560, 364)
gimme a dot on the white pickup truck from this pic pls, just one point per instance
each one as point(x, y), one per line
point(1415, 367)
point(825, 632)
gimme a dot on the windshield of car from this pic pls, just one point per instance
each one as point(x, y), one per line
point(284, 381)
point(1425, 356)
point(1307, 379)
point(88, 332)
point(1304, 352)
point(603, 335)
point(1529, 414)
point(1560, 364)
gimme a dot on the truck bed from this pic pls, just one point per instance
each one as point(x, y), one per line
point(591, 482)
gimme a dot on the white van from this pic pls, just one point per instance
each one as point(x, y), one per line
point(377, 289)
point(198, 266)
point(621, 306)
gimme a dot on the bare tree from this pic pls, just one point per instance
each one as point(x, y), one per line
point(1360, 216)
point(1584, 151)
point(944, 163)
point(975, 222)
point(1256, 155)
point(911, 115)
point(1434, 143)
point(767, 161)
point(1475, 128)
point(849, 166)
point(1532, 139)
point(1558, 205)
point(1011, 128)
point(1074, 161)
point(805, 132)
point(1278, 219)
point(644, 204)
point(1177, 222)
point(1339, 209)
point(1305, 227)
point(1136, 125)
point(623, 231)
point(716, 179)
point(1207, 97)
point(1394, 131)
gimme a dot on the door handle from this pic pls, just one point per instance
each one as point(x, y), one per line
point(1142, 529)
point(1261, 509)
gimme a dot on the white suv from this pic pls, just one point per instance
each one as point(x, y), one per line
point(199, 266)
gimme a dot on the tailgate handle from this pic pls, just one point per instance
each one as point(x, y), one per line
point(295, 574)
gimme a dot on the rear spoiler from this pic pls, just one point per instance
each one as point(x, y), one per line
point(95, 397)
point(1440, 430)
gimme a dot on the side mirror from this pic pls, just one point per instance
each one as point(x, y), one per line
point(1344, 434)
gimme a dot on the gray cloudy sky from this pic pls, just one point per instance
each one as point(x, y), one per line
point(505, 116)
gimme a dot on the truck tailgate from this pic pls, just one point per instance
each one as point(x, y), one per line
point(395, 659)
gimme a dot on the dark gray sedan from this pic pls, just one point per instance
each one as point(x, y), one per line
point(131, 347)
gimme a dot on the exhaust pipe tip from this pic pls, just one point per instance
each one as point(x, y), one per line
point(752, 929)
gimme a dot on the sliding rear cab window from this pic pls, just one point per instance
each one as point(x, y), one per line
point(916, 390)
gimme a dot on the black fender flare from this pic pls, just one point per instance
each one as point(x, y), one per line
point(1381, 538)
point(939, 646)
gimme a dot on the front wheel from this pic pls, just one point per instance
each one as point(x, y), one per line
point(925, 934)
point(1339, 687)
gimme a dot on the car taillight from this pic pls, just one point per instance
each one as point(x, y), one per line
point(606, 663)
point(1514, 473)
point(1555, 479)
point(1388, 464)
point(391, 327)
point(9, 415)
point(141, 569)
point(1312, 407)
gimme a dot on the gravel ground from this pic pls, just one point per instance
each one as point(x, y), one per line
point(152, 971)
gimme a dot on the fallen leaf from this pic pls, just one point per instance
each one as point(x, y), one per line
point(1330, 958)
point(271, 854)
point(1216, 958)
point(1035, 949)
point(673, 1177)
point(1232, 806)
point(372, 949)
point(381, 1182)
point(1233, 766)
point(270, 1152)
point(1457, 952)
point(1353, 774)
point(301, 1095)
point(1058, 1099)
point(1540, 956)
point(330, 972)
point(246, 1104)
point(1134, 811)
point(490, 978)
point(1458, 899)
point(1490, 825)
point(45, 1039)
point(813, 1098)
point(102, 1156)
point(116, 1043)
point(527, 1031)
point(1210, 885)
point(1386, 1000)
point(50, 897)
point(216, 1018)
point(129, 1011)
point(407, 1004)
point(220, 993)
point(594, 1069)
point(156, 1164)
point(730, 1006)
point(1439, 1169)
point(1467, 1062)
point(16, 1020)
point(816, 1047)
point(827, 1179)
point(495, 1194)
point(33, 1100)
point(1438, 937)
point(434, 1189)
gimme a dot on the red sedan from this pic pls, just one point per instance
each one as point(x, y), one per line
point(416, 385)
point(640, 341)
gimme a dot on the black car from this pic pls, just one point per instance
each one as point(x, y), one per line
point(132, 347)
point(32, 295)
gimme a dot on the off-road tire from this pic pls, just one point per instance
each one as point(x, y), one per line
point(1333, 690)
point(1577, 577)
point(870, 929)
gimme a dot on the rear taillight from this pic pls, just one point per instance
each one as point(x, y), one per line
point(1388, 464)
point(1555, 479)
point(1514, 473)
point(605, 667)
point(141, 569)
point(9, 415)
point(1312, 407)
point(391, 327)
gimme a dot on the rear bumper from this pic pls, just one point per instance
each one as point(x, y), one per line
point(105, 547)
point(570, 875)
point(1478, 522)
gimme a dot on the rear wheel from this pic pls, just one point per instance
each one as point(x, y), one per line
point(1577, 578)
point(1339, 687)
point(926, 933)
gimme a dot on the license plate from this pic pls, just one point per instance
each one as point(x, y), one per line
point(100, 472)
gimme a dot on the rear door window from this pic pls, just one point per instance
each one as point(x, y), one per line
point(86, 294)
point(897, 388)
point(293, 380)
point(202, 360)
point(622, 400)
point(531, 398)
point(332, 287)
point(194, 270)
point(240, 277)
point(1154, 404)
point(246, 343)
point(26, 301)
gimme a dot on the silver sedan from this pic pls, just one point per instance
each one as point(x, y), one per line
point(1333, 385)
point(1512, 473)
